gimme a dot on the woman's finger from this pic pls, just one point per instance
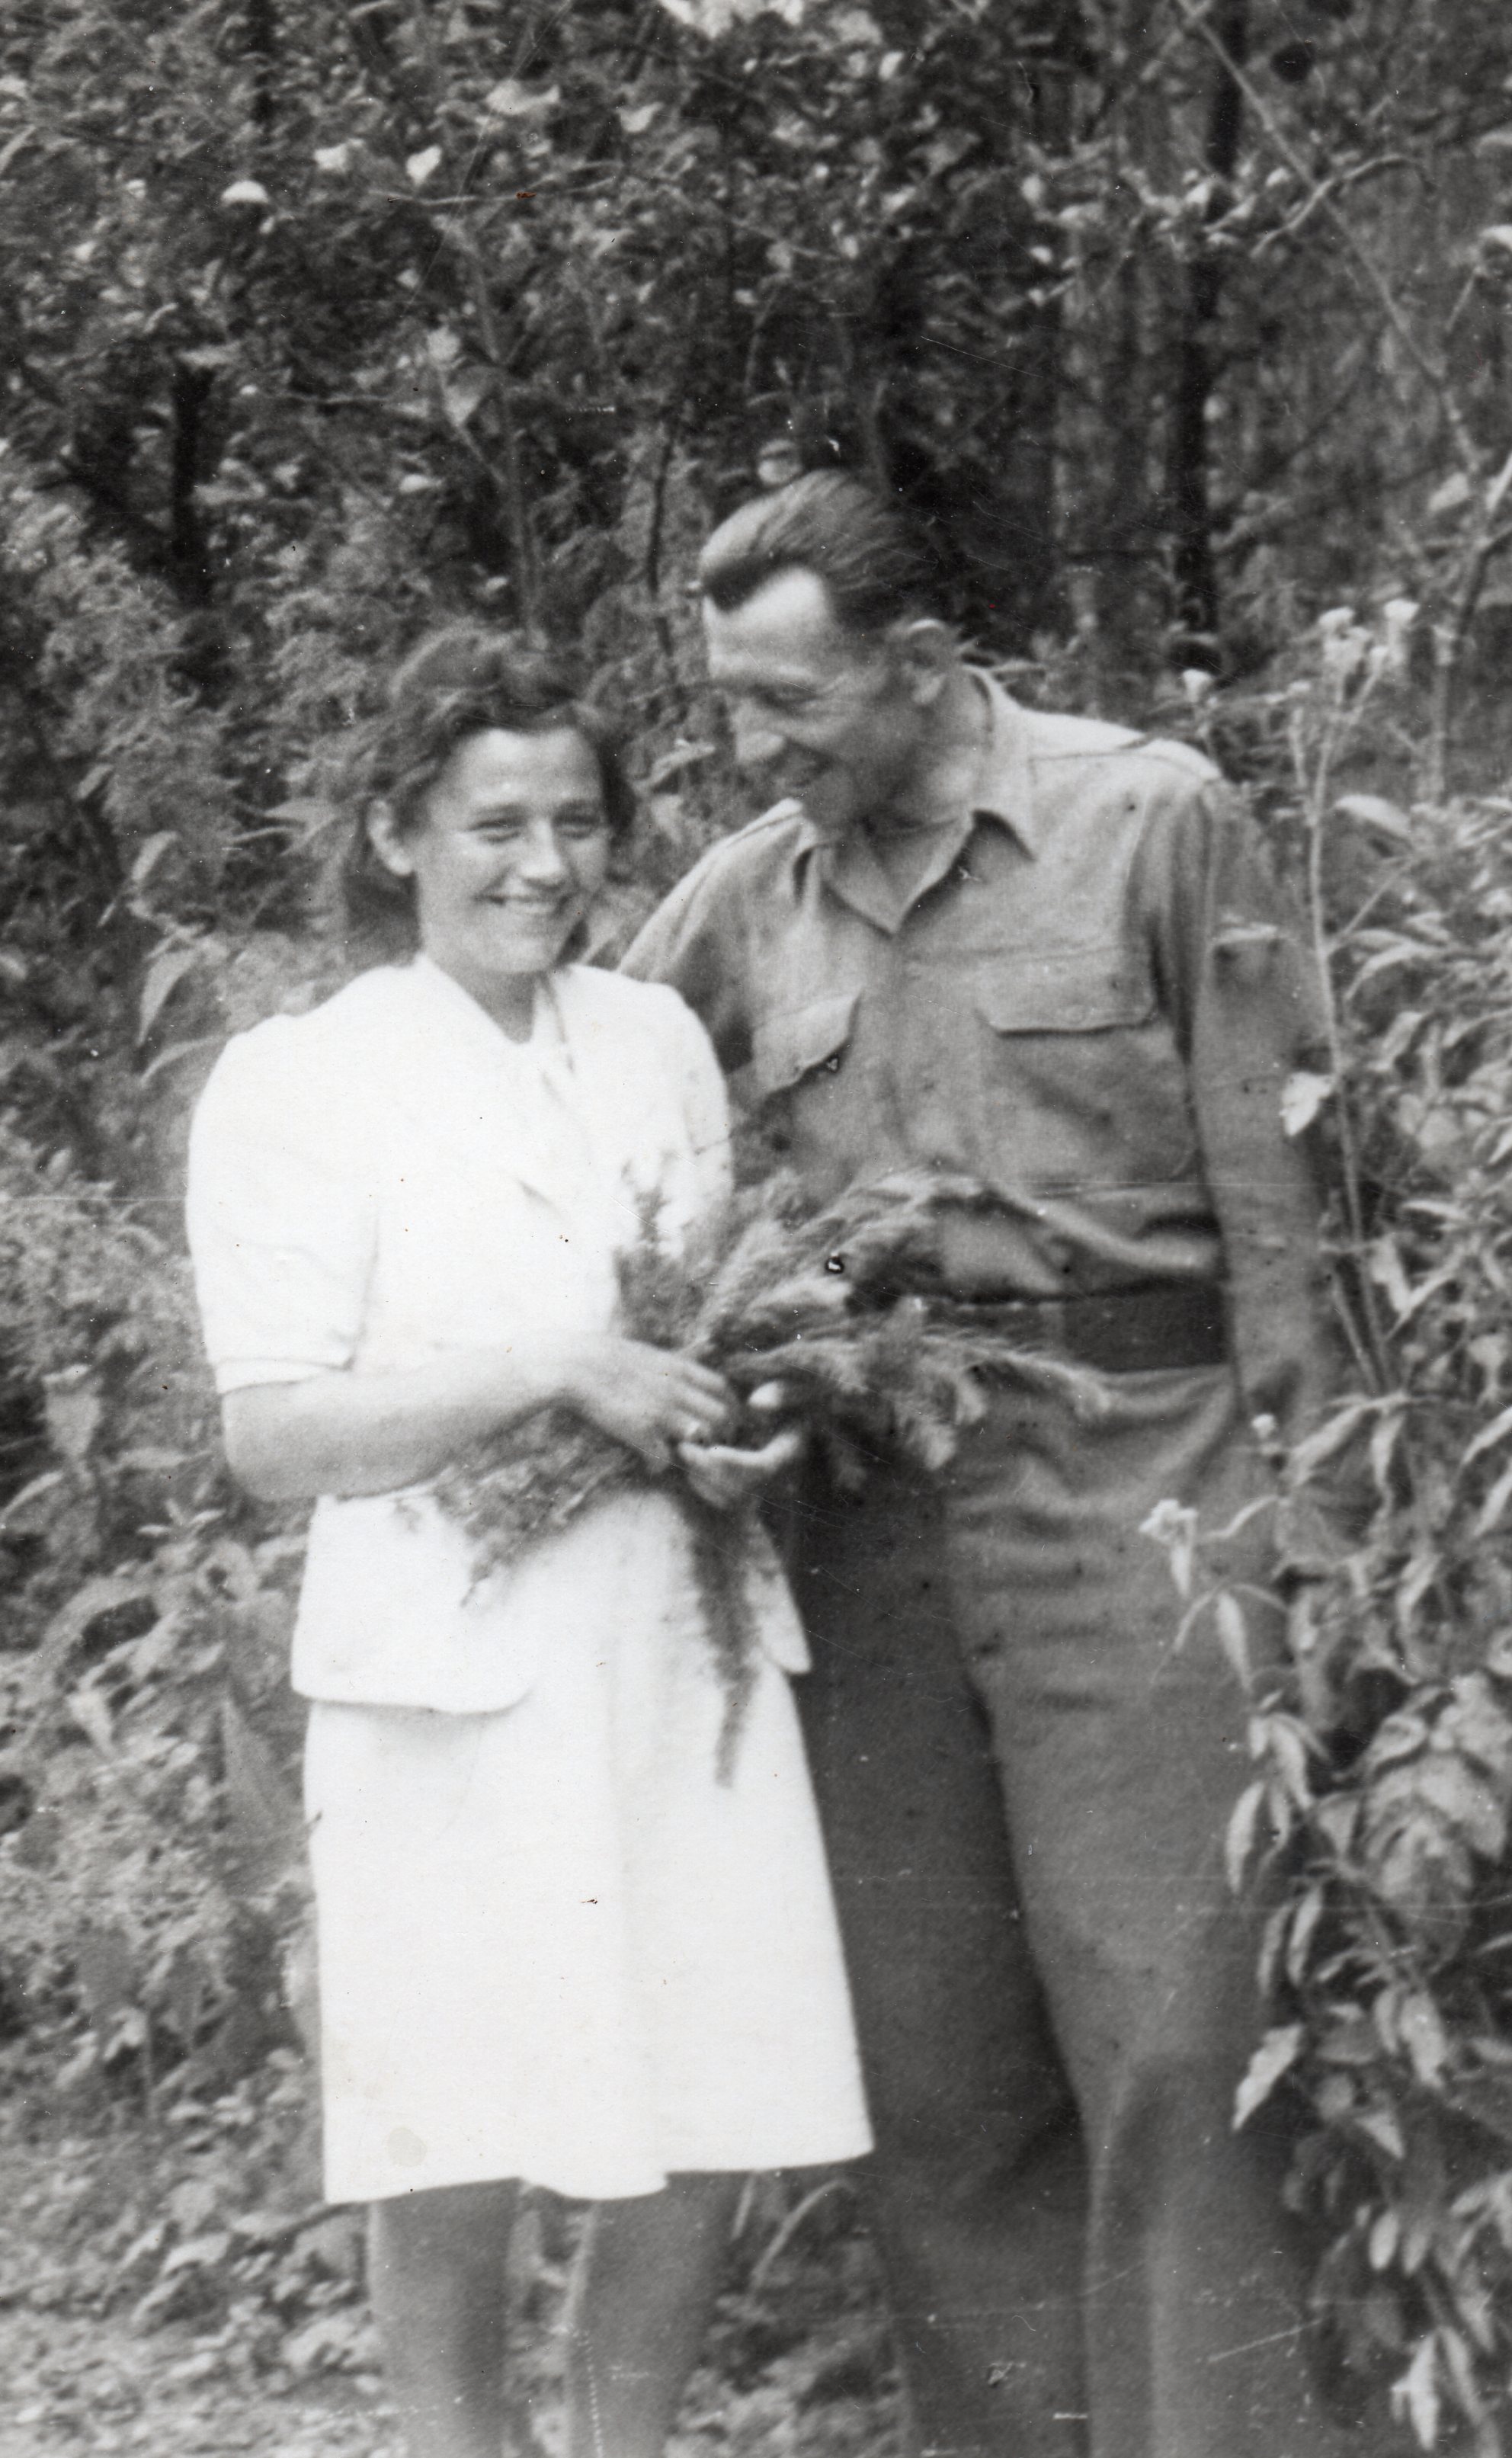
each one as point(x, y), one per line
point(696, 1376)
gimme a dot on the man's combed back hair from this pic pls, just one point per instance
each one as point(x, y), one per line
point(878, 566)
point(462, 680)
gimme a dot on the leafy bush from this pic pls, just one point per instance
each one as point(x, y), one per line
point(1377, 1823)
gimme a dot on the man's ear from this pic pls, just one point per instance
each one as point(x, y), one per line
point(924, 654)
point(390, 847)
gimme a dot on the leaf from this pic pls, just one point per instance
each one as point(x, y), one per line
point(310, 812)
point(1453, 492)
point(1302, 1096)
point(1417, 2394)
point(1276, 2055)
point(72, 1408)
point(1420, 2030)
point(245, 192)
point(1330, 1437)
point(463, 395)
point(1384, 1264)
point(1382, 2126)
point(171, 966)
point(1465, 1803)
point(149, 856)
point(1304, 1928)
point(1489, 1436)
point(1373, 811)
point(1489, 1515)
point(1239, 1841)
point(511, 99)
point(174, 1054)
point(90, 1603)
point(1233, 1636)
point(23, 1514)
point(267, 1832)
point(92, 1714)
point(200, 2253)
point(422, 166)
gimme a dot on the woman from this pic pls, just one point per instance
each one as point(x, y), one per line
point(553, 1946)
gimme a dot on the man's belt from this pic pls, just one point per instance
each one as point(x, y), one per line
point(1126, 1331)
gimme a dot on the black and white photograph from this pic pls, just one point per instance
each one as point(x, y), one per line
point(756, 1229)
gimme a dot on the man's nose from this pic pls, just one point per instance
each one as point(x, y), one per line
point(541, 859)
point(757, 741)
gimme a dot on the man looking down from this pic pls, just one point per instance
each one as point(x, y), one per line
point(1043, 953)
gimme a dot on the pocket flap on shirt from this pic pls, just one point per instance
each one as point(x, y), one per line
point(791, 1044)
point(1066, 990)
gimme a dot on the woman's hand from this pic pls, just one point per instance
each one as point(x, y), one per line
point(652, 1399)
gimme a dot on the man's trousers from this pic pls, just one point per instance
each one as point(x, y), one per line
point(1025, 1783)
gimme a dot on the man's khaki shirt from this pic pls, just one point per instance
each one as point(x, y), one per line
point(1089, 1003)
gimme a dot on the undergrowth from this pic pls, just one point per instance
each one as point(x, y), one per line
point(1376, 1822)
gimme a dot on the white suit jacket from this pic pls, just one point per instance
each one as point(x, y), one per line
point(389, 1177)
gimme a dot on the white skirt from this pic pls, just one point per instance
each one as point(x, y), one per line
point(553, 1946)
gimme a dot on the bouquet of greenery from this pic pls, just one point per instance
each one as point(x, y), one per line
point(824, 1302)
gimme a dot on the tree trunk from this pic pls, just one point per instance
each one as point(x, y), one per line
point(1194, 571)
point(188, 548)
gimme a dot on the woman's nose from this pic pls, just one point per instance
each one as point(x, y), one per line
point(541, 857)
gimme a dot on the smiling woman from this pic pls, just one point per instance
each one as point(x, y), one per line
point(553, 1946)
point(511, 850)
point(420, 767)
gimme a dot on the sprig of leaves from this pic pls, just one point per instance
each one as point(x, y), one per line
point(818, 1300)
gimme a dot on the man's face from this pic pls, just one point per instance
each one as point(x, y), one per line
point(818, 711)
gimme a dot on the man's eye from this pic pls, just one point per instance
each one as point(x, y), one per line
point(581, 823)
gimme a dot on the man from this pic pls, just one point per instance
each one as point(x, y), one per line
point(1041, 952)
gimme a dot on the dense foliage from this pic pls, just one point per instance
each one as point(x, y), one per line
point(1378, 1823)
point(1184, 324)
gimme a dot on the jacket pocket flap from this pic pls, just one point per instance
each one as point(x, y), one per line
point(1066, 990)
point(791, 1044)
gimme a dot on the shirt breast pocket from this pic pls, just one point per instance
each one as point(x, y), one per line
point(1080, 1081)
point(803, 1082)
point(798, 1042)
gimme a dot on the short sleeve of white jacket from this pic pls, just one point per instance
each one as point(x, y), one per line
point(281, 1226)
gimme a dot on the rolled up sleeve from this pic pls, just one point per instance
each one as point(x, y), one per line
point(1249, 1012)
point(281, 1230)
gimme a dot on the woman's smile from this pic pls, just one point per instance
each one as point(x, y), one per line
point(511, 852)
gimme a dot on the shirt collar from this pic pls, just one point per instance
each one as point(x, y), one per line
point(1005, 777)
point(1005, 787)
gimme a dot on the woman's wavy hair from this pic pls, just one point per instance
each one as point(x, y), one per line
point(462, 680)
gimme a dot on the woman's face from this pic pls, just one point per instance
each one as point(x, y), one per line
point(513, 850)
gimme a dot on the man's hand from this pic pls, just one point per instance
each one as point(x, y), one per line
point(731, 1479)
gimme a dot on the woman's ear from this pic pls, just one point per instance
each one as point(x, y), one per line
point(390, 847)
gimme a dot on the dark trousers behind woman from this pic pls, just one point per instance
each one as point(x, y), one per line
point(1026, 1786)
